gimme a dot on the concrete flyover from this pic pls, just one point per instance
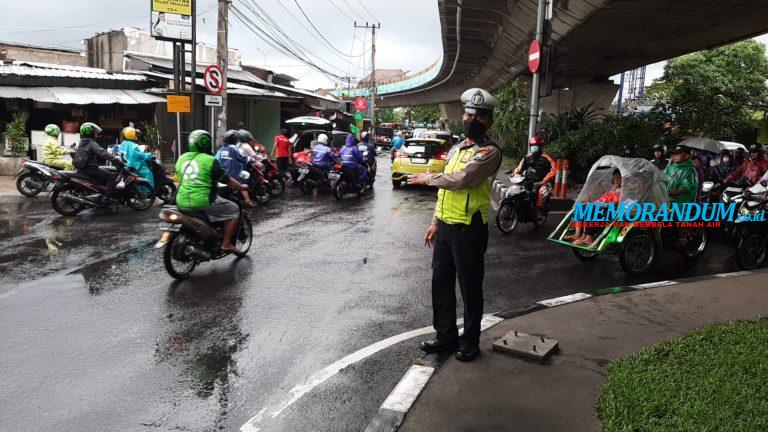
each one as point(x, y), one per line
point(485, 43)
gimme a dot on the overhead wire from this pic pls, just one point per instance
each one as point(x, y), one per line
point(354, 11)
point(341, 10)
point(368, 11)
point(318, 31)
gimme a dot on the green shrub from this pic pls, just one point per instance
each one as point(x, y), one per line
point(16, 132)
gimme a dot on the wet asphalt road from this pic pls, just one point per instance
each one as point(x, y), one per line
point(96, 336)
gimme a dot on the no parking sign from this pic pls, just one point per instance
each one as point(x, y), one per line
point(213, 79)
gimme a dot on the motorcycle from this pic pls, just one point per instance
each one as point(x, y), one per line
point(165, 188)
point(272, 174)
point(312, 177)
point(74, 192)
point(260, 188)
point(733, 193)
point(752, 242)
point(343, 182)
point(189, 238)
point(518, 206)
point(35, 177)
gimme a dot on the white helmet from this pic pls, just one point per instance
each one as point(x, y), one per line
point(322, 138)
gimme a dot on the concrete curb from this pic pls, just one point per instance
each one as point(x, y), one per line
point(395, 408)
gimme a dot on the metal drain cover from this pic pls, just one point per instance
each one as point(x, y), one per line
point(530, 347)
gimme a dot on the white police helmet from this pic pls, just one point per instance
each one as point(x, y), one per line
point(477, 100)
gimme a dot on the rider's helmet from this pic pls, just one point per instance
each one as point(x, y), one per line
point(244, 136)
point(364, 136)
point(755, 151)
point(52, 130)
point(535, 144)
point(200, 141)
point(659, 147)
point(89, 130)
point(129, 133)
point(284, 132)
point(231, 137)
point(726, 156)
point(322, 139)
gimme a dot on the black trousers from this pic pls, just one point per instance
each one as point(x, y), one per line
point(459, 251)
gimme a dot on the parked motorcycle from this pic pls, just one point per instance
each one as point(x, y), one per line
point(752, 242)
point(272, 175)
point(35, 177)
point(189, 238)
point(518, 206)
point(165, 188)
point(74, 192)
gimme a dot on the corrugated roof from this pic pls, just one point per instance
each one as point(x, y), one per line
point(78, 95)
point(234, 74)
point(20, 68)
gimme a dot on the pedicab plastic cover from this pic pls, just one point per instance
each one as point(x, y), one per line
point(641, 181)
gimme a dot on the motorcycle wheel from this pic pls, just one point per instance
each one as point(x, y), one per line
point(584, 255)
point(397, 184)
point(750, 254)
point(244, 237)
point(697, 244)
point(140, 197)
point(507, 218)
point(277, 186)
point(545, 209)
point(305, 188)
point(340, 190)
point(177, 265)
point(167, 193)
point(26, 188)
point(262, 197)
point(62, 205)
point(638, 253)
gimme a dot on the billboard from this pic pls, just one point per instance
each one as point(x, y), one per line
point(171, 20)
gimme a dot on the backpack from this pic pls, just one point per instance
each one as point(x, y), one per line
point(80, 158)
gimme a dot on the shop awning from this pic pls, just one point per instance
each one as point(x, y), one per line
point(79, 95)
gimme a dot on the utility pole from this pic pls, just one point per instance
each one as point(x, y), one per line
point(535, 83)
point(373, 28)
point(193, 90)
point(222, 54)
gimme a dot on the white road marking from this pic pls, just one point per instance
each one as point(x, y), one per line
point(408, 389)
point(654, 284)
point(733, 274)
point(319, 377)
point(564, 300)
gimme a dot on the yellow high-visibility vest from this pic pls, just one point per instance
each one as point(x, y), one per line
point(458, 206)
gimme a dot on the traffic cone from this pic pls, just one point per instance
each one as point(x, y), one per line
point(558, 177)
point(564, 185)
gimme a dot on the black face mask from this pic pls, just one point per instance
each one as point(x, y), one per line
point(474, 129)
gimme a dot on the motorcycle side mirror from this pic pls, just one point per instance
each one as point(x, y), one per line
point(707, 186)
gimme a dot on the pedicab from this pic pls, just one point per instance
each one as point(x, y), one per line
point(637, 246)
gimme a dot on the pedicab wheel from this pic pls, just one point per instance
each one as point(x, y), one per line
point(23, 186)
point(397, 184)
point(167, 193)
point(539, 222)
point(507, 218)
point(638, 253)
point(64, 206)
point(584, 255)
point(696, 244)
point(277, 187)
point(244, 237)
point(750, 253)
point(140, 197)
point(176, 263)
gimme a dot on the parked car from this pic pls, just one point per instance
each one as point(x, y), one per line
point(417, 156)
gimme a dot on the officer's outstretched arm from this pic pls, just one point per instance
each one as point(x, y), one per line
point(483, 165)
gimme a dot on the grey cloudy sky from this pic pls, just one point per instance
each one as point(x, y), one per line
point(409, 38)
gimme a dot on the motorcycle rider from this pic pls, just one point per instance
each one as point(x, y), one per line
point(739, 155)
point(53, 151)
point(352, 158)
point(200, 172)
point(370, 158)
point(684, 182)
point(322, 155)
point(233, 162)
point(659, 161)
point(629, 151)
point(719, 172)
point(753, 168)
point(543, 169)
point(133, 155)
point(244, 143)
point(90, 155)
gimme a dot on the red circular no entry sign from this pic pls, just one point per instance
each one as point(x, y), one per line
point(534, 56)
point(361, 104)
point(213, 79)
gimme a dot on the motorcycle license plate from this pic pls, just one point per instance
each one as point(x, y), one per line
point(304, 170)
point(334, 176)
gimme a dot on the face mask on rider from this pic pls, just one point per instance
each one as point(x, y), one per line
point(534, 149)
point(474, 128)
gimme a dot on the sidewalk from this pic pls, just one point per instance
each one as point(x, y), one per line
point(8, 186)
point(501, 393)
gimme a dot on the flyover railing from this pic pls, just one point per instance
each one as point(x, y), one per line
point(395, 84)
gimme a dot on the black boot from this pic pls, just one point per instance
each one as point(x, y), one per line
point(436, 345)
point(467, 354)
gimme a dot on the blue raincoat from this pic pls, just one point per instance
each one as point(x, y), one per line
point(137, 159)
point(233, 161)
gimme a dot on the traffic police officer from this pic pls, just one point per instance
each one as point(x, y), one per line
point(459, 229)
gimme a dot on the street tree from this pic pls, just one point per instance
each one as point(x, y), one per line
point(510, 118)
point(715, 92)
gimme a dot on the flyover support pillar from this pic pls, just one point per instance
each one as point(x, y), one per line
point(451, 113)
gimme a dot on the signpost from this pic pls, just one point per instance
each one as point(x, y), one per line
point(361, 104)
point(213, 80)
point(534, 62)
